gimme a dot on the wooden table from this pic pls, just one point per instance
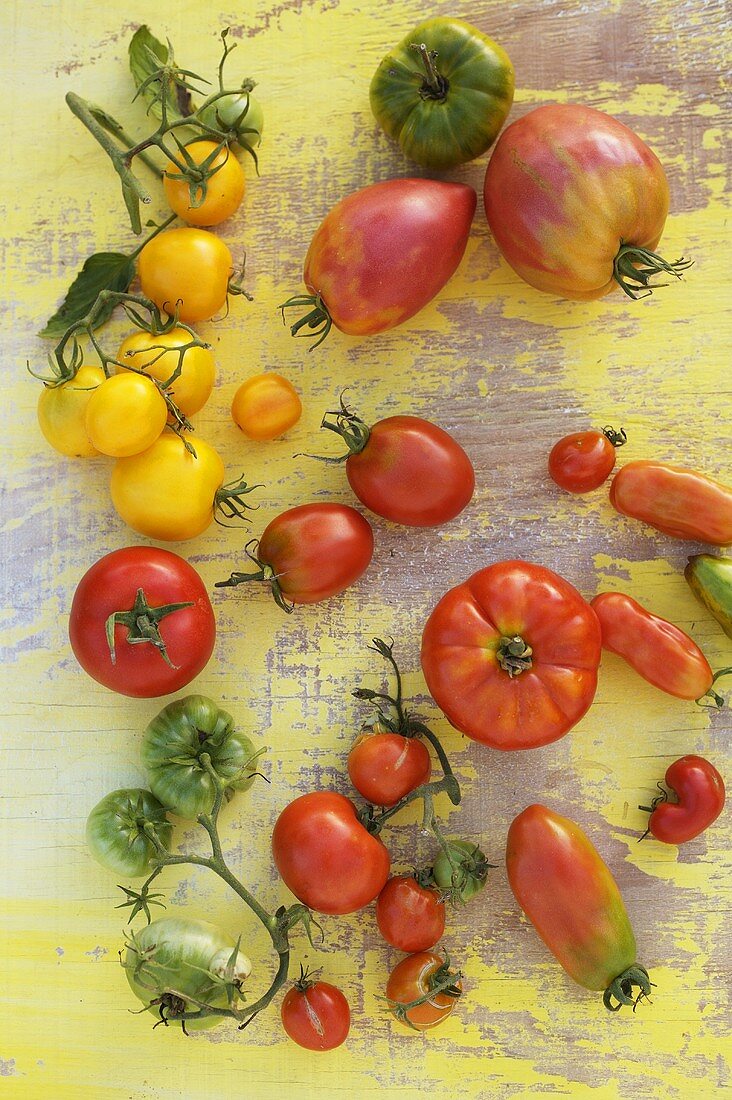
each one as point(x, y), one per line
point(507, 370)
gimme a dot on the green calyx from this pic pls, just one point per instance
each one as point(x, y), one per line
point(142, 625)
point(434, 86)
point(229, 501)
point(316, 319)
point(354, 431)
point(620, 990)
point(263, 572)
point(634, 267)
point(514, 655)
point(618, 438)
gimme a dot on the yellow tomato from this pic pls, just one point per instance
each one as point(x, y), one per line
point(224, 189)
point(125, 415)
point(62, 411)
point(188, 268)
point(192, 388)
point(265, 406)
point(166, 493)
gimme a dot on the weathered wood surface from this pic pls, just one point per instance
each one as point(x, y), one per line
point(507, 370)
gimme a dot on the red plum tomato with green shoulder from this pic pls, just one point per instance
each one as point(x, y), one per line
point(426, 977)
point(700, 795)
point(119, 828)
point(582, 461)
point(315, 1014)
point(511, 655)
point(411, 917)
point(141, 622)
point(325, 856)
point(675, 500)
point(385, 766)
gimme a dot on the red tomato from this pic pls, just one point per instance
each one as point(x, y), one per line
point(384, 766)
point(410, 917)
point(657, 650)
point(326, 856)
point(511, 655)
point(699, 789)
point(673, 499)
point(141, 622)
point(419, 978)
point(316, 1015)
point(382, 254)
point(580, 462)
point(573, 902)
point(564, 187)
point(311, 553)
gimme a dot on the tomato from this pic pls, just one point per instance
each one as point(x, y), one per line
point(404, 468)
point(219, 198)
point(577, 202)
point(159, 355)
point(188, 270)
point(265, 406)
point(125, 415)
point(443, 93)
point(461, 871)
point(176, 958)
point(310, 553)
point(511, 655)
point(410, 916)
point(385, 766)
point(62, 412)
point(580, 462)
point(699, 789)
point(675, 500)
point(382, 254)
point(315, 1014)
point(424, 977)
point(172, 747)
point(241, 114)
point(118, 828)
point(325, 855)
point(710, 579)
point(658, 651)
point(567, 892)
point(141, 622)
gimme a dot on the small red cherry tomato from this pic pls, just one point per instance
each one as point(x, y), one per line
point(315, 1014)
point(580, 462)
point(384, 766)
point(411, 917)
point(425, 977)
point(673, 499)
point(699, 789)
point(658, 651)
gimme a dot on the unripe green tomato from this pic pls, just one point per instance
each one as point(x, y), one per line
point(115, 831)
point(466, 876)
point(240, 112)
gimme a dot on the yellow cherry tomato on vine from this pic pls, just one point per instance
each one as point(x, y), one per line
point(62, 412)
point(266, 406)
point(188, 268)
point(224, 189)
point(125, 415)
point(158, 356)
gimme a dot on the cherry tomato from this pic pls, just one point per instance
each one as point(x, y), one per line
point(567, 892)
point(240, 113)
point(385, 766)
point(141, 622)
point(382, 254)
point(565, 186)
point(224, 188)
point(460, 870)
point(62, 413)
point(673, 499)
point(511, 655)
point(658, 651)
point(699, 789)
point(326, 856)
point(266, 406)
point(580, 462)
point(125, 415)
point(187, 269)
point(316, 1014)
point(411, 917)
point(423, 975)
point(158, 354)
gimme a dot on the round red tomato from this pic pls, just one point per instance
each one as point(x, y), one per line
point(511, 655)
point(384, 766)
point(699, 789)
point(582, 461)
point(326, 856)
point(141, 622)
point(316, 1015)
point(424, 977)
point(410, 917)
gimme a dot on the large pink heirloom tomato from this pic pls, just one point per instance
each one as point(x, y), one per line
point(577, 203)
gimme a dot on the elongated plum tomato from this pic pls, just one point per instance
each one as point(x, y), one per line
point(675, 500)
point(581, 461)
point(326, 856)
point(62, 413)
point(411, 917)
point(186, 269)
point(160, 356)
point(710, 579)
point(511, 655)
point(382, 254)
point(385, 766)
point(565, 889)
point(315, 1015)
point(426, 977)
point(224, 187)
point(577, 202)
point(700, 794)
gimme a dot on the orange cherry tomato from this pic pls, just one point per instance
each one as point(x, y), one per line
point(158, 355)
point(224, 189)
point(186, 268)
point(673, 499)
point(266, 406)
point(420, 976)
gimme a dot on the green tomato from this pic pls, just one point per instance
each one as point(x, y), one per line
point(240, 113)
point(463, 875)
point(116, 831)
point(176, 958)
point(172, 749)
point(443, 93)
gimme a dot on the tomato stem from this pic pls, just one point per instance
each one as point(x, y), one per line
point(142, 625)
point(317, 318)
point(621, 988)
point(634, 267)
point(514, 655)
point(264, 572)
point(354, 431)
point(435, 85)
point(717, 699)
point(617, 438)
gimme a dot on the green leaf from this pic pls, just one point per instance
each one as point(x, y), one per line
point(147, 55)
point(101, 271)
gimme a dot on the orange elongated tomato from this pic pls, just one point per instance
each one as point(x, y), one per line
point(675, 500)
